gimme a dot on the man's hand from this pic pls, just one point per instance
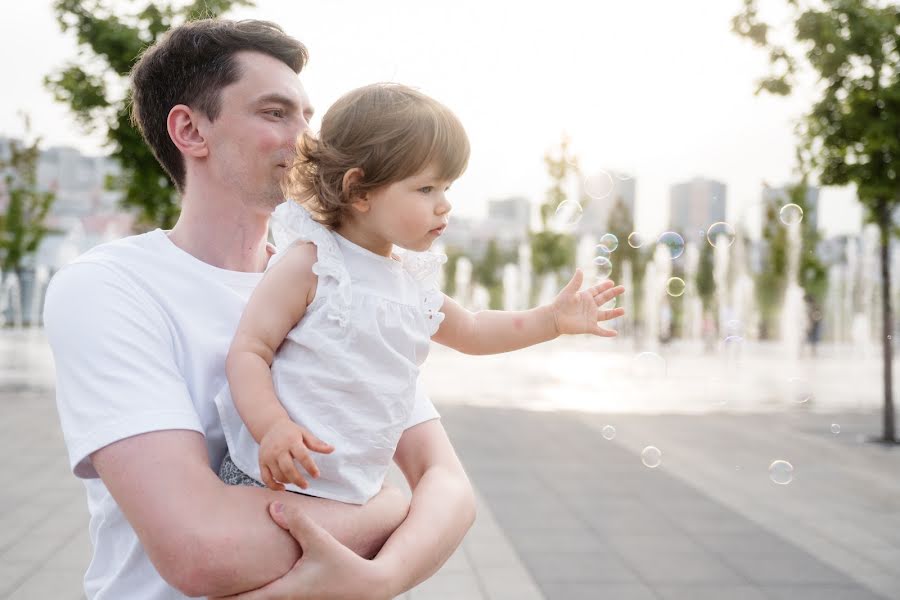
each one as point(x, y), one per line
point(284, 443)
point(327, 570)
point(580, 311)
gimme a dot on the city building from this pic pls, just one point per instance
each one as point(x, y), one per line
point(695, 205)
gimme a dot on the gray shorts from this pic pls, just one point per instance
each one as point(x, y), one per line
point(230, 474)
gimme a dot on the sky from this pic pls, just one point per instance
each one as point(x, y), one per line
point(662, 90)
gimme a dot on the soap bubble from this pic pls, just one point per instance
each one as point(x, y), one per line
point(608, 432)
point(598, 186)
point(609, 242)
point(568, 213)
point(651, 457)
point(720, 233)
point(675, 286)
point(790, 214)
point(604, 267)
point(635, 239)
point(673, 242)
point(781, 472)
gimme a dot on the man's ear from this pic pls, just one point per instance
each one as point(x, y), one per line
point(359, 200)
point(183, 124)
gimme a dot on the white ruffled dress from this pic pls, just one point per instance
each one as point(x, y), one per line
point(348, 371)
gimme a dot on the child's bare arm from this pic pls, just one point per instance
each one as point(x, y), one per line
point(275, 307)
point(495, 331)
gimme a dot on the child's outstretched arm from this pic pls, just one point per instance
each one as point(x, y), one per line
point(275, 307)
point(496, 331)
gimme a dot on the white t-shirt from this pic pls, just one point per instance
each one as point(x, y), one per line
point(348, 370)
point(139, 331)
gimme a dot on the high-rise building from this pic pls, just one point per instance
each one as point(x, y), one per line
point(598, 204)
point(695, 205)
point(512, 213)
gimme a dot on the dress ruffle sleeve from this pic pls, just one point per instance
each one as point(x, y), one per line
point(425, 268)
point(291, 223)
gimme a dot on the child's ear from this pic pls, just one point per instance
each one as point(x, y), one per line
point(358, 200)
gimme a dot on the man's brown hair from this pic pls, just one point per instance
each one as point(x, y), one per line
point(390, 132)
point(190, 65)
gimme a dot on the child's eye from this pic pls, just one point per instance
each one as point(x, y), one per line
point(427, 189)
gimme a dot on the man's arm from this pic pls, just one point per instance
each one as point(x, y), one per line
point(209, 539)
point(441, 512)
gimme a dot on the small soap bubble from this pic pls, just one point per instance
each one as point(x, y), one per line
point(673, 242)
point(781, 472)
point(799, 390)
point(835, 428)
point(651, 457)
point(790, 214)
point(635, 239)
point(568, 213)
point(604, 267)
point(609, 241)
point(675, 286)
point(599, 186)
point(720, 234)
point(608, 432)
point(648, 364)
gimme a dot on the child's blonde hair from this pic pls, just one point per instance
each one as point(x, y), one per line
point(389, 131)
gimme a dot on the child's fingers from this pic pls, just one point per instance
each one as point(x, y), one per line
point(600, 287)
point(301, 455)
point(604, 332)
point(607, 295)
point(290, 470)
point(269, 479)
point(317, 445)
point(605, 314)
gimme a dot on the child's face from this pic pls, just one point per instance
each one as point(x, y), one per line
point(410, 213)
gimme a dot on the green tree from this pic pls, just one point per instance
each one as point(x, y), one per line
point(771, 280)
point(552, 251)
point(621, 225)
point(109, 43)
point(23, 220)
point(851, 134)
point(488, 272)
point(453, 255)
point(705, 279)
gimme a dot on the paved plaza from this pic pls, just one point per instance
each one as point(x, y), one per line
point(565, 513)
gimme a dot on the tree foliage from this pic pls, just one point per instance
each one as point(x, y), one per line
point(851, 134)
point(552, 250)
point(24, 212)
point(94, 86)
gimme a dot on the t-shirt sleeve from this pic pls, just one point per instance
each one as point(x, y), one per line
point(423, 410)
point(116, 374)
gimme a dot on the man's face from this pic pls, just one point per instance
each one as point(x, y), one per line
point(252, 141)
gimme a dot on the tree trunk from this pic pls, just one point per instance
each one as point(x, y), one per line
point(884, 223)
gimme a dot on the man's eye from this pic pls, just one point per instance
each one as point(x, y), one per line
point(277, 112)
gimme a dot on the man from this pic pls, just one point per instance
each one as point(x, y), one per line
point(140, 329)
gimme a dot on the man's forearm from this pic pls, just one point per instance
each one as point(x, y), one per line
point(441, 512)
point(252, 550)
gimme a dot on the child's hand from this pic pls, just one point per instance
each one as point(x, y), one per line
point(282, 444)
point(580, 312)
